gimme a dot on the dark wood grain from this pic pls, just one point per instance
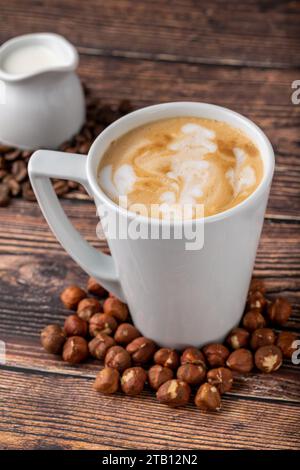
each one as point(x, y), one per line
point(26, 353)
point(57, 412)
point(252, 33)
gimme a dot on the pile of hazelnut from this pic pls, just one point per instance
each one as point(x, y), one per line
point(101, 328)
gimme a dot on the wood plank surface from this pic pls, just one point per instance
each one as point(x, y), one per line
point(254, 33)
point(64, 412)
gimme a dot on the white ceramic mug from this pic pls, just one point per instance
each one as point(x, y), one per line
point(176, 297)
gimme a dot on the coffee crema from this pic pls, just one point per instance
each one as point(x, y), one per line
point(170, 164)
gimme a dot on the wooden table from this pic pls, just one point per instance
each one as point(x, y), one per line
point(244, 55)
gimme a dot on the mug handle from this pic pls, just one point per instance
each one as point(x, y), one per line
point(46, 164)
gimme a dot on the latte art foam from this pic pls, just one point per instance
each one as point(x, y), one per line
point(181, 161)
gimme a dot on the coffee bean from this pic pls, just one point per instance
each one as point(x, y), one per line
point(3, 173)
point(90, 123)
point(4, 195)
point(84, 148)
point(14, 186)
point(61, 187)
point(3, 164)
point(64, 146)
point(27, 192)
point(81, 189)
point(7, 177)
point(11, 156)
point(98, 129)
point(73, 185)
point(19, 170)
point(5, 148)
point(71, 149)
point(80, 139)
point(87, 134)
point(26, 154)
point(106, 115)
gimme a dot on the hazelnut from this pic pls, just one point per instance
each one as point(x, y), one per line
point(133, 380)
point(191, 374)
point(279, 311)
point(75, 350)
point(95, 288)
point(257, 285)
point(74, 326)
point(216, 354)
point(158, 375)
point(262, 337)
point(87, 307)
point(253, 320)
point(141, 350)
point(174, 393)
point(268, 358)
point(167, 358)
point(194, 356)
point(126, 333)
point(238, 338)
point(116, 308)
point(256, 300)
point(221, 378)
point(240, 360)
point(53, 339)
point(285, 342)
point(99, 345)
point(71, 297)
point(107, 381)
point(117, 358)
point(208, 398)
point(102, 323)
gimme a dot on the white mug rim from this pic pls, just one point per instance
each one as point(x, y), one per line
point(103, 140)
